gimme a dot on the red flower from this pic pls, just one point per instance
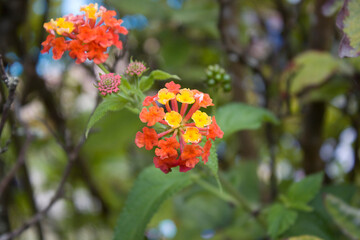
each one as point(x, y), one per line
point(214, 130)
point(173, 87)
point(181, 147)
point(77, 51)
point(165, 164)
point(149, 100)
point(148, 138)
point(167, 148)
point(59, 47)
point(152, 115)
point(206, 153)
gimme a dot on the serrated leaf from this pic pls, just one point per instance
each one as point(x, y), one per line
point(234, 117)
point(279, 219)
point(312, 69)
point(113, 102)
point(213, 164)
point(150, 190)
point(305, 237)
point(347, 218)
point(300, 193)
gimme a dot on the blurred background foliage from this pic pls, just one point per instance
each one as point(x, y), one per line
point(280, 55)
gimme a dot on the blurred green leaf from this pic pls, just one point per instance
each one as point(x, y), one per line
point(347, 218)
point(234, 117)
point(304, 237)
point(312, 68)
point(150, 190)
point(300, 193)
point(318, 223)
point(113, 102)
point(279, 219)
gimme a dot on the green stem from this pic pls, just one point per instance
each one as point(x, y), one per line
point(102, 67)
point(214, 190)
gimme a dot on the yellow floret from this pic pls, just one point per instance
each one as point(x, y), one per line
point(50, 25)
point(173, 119)
point(201, 119)
point(64, 26)
point(185, 96)
point(90, 10)
point(165, 96)
point(192, 135)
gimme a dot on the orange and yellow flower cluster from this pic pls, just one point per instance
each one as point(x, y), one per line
point(85, 36)
point(186, 125)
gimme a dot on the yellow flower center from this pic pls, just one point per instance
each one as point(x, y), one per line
point(173, 119)
point(192, 135)
point(64, 26)
point(164, 96)
point(90, 10)
point(185, 96)
point(201, 119)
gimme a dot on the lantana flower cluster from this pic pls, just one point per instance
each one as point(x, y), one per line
point(135, 69)
point(109, 83)
point(186, 126)
point(85, 36)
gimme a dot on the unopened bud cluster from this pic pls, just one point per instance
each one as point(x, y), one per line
point(217, 77)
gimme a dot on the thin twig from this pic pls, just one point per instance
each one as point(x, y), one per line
point(20, 161)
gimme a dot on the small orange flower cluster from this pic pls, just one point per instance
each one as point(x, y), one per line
point(85, 36)
point(182, 133)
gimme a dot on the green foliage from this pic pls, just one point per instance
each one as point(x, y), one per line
point(234, 117)
point(147, 81)
point(279, 219)
point(318, 222)
point(351, 24)
point(150, 190)
point(300, 193)
point(305, 237)
point(114, 102)
point(347, 218)
point(312, 68)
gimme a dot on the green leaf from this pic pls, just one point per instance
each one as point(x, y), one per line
point(351, 24)
point(161, 75)
point(113, 102)
point(347, 218)
point(300, 193)
point(234, 117)
point(305, 237)
point(279, 219)
point(151, 189)
point(213, 164)
point(147, 81)
point(312, 68)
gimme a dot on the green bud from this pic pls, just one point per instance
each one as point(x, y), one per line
point(227, 78)
point(211, 82)
point(227, 87)
point(218, 77)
